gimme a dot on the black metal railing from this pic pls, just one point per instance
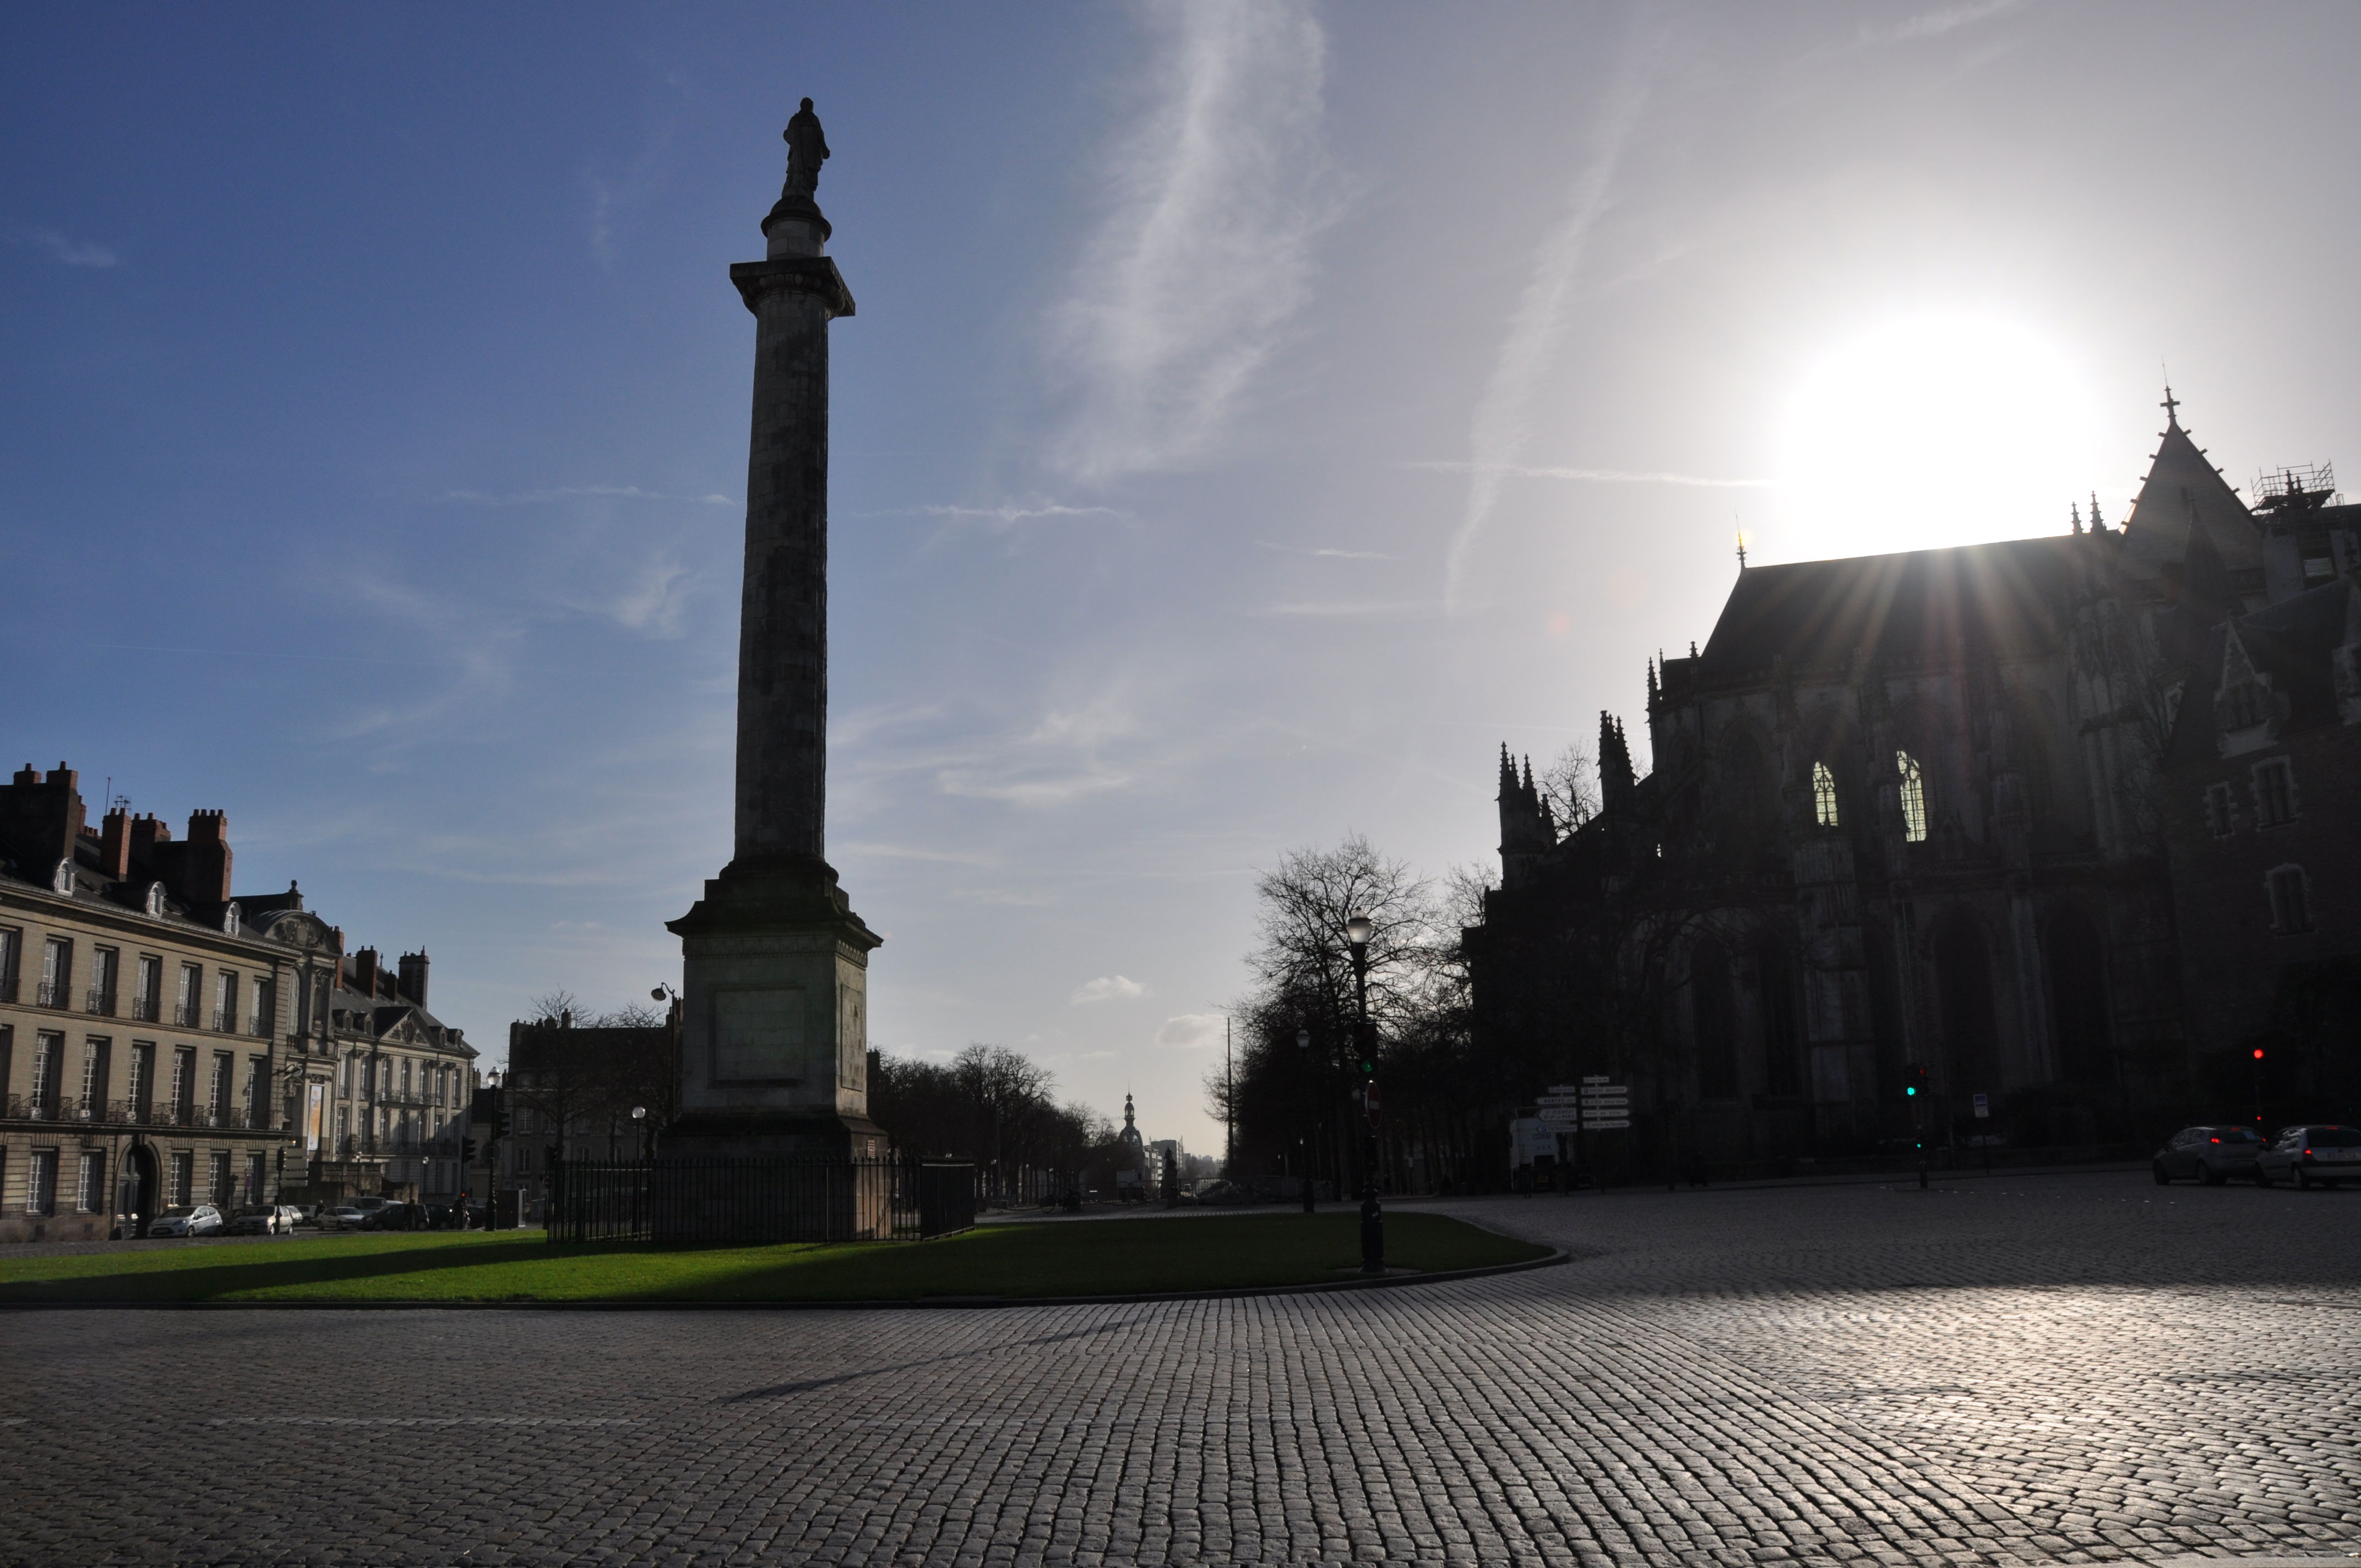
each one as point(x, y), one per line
point(737, 1202)
point(130, 1113)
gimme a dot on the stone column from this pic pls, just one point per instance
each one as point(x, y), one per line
point(774, 1058)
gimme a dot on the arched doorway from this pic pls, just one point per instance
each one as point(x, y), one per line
point(1964, 993)
point(1715, 1012)
point(2075, 963)
point(136, 1200)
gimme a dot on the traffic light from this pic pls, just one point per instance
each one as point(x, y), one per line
point(1365, 1049)
point(1914, 1081)
point(499, 1116)
point(2258, 1053)
point(468, 1150)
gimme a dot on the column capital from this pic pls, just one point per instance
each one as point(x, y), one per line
point(814, 275)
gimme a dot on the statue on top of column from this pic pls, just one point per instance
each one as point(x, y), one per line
point(806, 150)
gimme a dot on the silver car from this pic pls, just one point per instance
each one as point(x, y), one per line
point(263, 1220)
point(2312, 1157)
point(186, 1220)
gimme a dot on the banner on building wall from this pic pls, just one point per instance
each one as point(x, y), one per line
point(316, 1110)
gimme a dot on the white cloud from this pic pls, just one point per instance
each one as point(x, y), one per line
point(1190, 1032)
point(1107, 988)
point(1598, 475)
point(572, 492)
point(1501, 423)
point(1215, 196)
point(68, 252)
point(1330, 553)
point(1003, 515)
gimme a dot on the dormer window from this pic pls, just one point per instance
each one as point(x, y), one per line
point(156, 899)
point(1824, 796)
point(229, 921)
point(62, 879)
point(1913, 797)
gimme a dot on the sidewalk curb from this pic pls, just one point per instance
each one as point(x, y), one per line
point(923, 1303)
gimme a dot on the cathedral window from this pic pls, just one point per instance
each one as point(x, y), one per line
point(1914, 797)
point(1824, 796)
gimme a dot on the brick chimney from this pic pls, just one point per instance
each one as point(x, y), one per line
point(205, 864)
point(364, 973)
point(40, 820)
point(414, 976)
point(114, 846)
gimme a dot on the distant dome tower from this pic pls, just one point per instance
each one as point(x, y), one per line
point(1131, 1164)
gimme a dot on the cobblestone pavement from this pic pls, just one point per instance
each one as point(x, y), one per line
point(2032, 1369)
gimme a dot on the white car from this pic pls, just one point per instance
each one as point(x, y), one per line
point(343, 1217)
point(264, 1219)
point(186, 1220)
point(2311, 1156)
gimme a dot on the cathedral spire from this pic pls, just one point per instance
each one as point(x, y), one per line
point(2074, 513)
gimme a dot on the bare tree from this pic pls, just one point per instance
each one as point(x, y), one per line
point(1569, 787)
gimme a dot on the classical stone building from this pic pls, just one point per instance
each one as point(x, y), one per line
point(1964, 821)
point(162, 1041)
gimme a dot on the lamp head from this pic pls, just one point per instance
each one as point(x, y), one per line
point(1303, 1039)
point(1359, 930)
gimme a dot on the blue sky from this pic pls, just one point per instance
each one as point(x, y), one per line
point(1255, 414)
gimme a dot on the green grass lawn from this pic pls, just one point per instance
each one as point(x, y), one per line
point(1078, 1258)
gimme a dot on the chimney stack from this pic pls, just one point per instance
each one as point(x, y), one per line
point(114, 846)
point(364, 973)
point(204, 867)
point(412, 971)
point(41, 820)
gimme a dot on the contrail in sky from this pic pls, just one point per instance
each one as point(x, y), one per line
point(1500, 427)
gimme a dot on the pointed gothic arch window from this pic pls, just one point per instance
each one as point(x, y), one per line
point(1913, 797)
point(1824, 796)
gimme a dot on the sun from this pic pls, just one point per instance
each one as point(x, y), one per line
point(1925, 431)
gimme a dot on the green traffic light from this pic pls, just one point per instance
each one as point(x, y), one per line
point(1912, 1091)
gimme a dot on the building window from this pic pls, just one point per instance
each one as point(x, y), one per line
point(264, 1010)
point(1824, 796)
point(41, 1182)
point(2290, 894)
point(219, 1191)
point(142, 1086)
point(93, 1184)
point(217, 1090)
point(46, 1049)
point(344, 1077)
point(146, 999)
point(1913, 797)
point(185, 1168)
point(93, 1080)
point(103, 962)
point(11, 942)
point(56, 972)
point(192, 985)
point(253, 1179)
point(2274, 793)
point(184, 1086)
point(320, 1003)
point(344, 1127)
point(225, 1009)
point(253, 1084)
point(2221, 810)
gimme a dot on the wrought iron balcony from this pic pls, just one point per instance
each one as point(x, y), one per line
point(184, 1016)
point(48, 993)
point(100, 999)
point(145, 1008)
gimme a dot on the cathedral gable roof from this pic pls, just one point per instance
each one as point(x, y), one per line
point(2182, 482)
point(1906, 610)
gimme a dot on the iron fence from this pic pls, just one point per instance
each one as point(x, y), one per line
point(714, 1202)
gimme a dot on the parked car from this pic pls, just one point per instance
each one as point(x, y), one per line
point(263, 1220)
point(2312, 1157)
point(396, 1217)
point(2210, 1154)
point(186, 1220)
point(1219, 1192)
point(343, 1217)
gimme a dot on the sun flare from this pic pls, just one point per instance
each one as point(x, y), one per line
point(1926, 430)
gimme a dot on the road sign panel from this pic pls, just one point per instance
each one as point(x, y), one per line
point(1558, 1100)
point(1560, 1114)
point(1594, 1080)
point(1563, 1088)
point(1984, 1106)
point(1607, 1126)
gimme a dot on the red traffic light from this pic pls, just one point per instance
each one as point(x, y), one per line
point(2258, 1053)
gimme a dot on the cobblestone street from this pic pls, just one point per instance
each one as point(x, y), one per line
point(2028, 1369)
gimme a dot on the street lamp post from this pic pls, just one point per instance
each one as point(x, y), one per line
point(1357, 932)
point(1311, 1102)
